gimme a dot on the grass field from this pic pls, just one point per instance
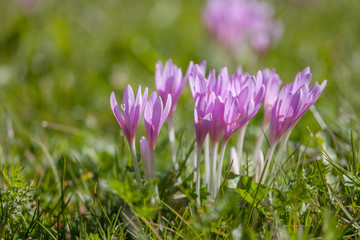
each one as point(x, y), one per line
point(66, 169)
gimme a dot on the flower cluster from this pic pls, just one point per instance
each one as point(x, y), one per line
point(237, 23)
point(154, 117)
point(224, 105)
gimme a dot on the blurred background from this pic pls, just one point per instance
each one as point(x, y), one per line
point(60, 60)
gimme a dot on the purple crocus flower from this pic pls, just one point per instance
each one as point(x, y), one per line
point(169, 80)
point(154, 117)
point(293, 101)
point(132, 109)
point(203, 116)
point(237, 23)
point(217, 124)
point(201, 86)
point(272, 84)
point(243, 102)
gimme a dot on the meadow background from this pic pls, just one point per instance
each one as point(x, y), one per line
point(59, 62)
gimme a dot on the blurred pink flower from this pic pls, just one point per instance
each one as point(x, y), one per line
point(238, 23)
point(272, 84)
point(169, 80)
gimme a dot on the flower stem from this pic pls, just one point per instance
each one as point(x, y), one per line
point(135, 162)
point(152, 163)
point(258, 146)
point(218, 176)
point(240, 143)
point(153, 175)
point(172, 140)
point(282, 146)
point(195, 164)
point(213, 161)
point(268, 158)
point(259, 166)
point(198, 176)
point(157, 197)
point(172, 143)
point(279, 154)
point(207, 162)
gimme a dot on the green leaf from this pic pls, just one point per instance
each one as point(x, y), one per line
point(247, 189)
point(13, 175)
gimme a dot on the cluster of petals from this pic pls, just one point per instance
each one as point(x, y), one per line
point(155, 113)
point(132, 109)
point(293, 101)
point(241, 22)
point(223, 104)
point(154, 117)
point(203, 116)
point(247, 93)
point(169, 80)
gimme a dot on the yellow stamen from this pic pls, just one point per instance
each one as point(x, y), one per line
point(200, 120)
point(238, 117)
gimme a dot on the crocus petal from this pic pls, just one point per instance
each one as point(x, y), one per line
point(156, 115)
point(148, 112)
point(273, 125)
point(188, 71)
point(259, 79)
point(260, 95)
point(119, 117)
point(203, 67)
point(159, 80)
point(144, 99)
point(149, 107)
point(169, 80)
point(272, 84)
point(135, 117)
point(128, 101)
point(113, 102)
point(166, 110)
point(218, 123)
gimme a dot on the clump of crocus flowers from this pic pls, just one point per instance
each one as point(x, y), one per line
point(223, 106)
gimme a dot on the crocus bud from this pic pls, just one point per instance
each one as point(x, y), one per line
point(259, 166)
point(145, 158)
